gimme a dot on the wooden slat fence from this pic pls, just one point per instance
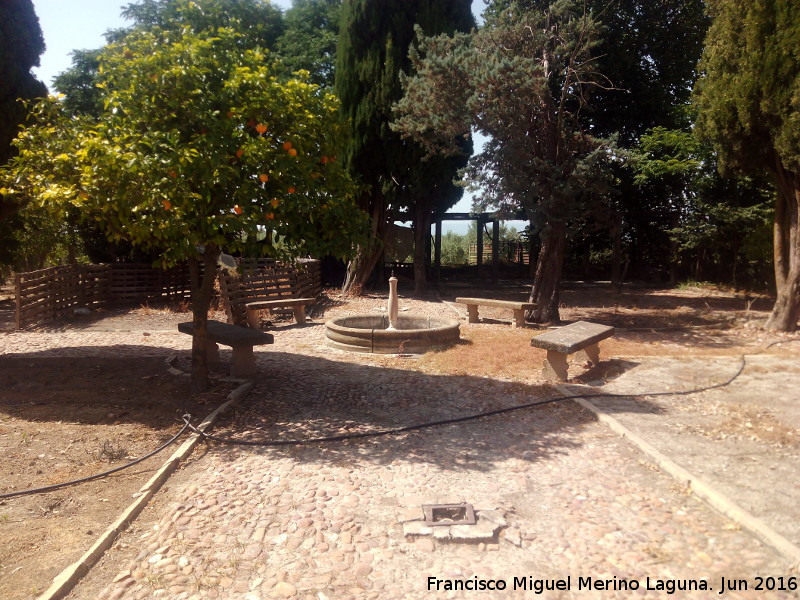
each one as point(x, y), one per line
point(142, 283)
point(509, 252)
point(55, 292)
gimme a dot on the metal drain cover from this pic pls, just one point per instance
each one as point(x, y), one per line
point(448, 514)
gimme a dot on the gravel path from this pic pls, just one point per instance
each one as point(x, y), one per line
point(579, 504)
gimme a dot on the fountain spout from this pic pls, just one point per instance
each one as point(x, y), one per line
point(393, 307)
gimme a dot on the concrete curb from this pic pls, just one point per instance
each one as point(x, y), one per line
point(65, 581)
point(700, 488)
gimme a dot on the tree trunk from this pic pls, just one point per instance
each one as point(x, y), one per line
point(422, 233)
point(361, 265)
point(531, 245)
point(202, 293)
point(786, 231)
point(545, 292)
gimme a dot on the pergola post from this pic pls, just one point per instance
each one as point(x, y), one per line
point(437, 250)
point(479, 256)
point(495, 249)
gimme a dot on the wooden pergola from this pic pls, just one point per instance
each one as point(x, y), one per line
point(482, 219)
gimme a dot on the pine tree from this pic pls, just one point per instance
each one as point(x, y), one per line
point(373, 49)
point(520, 81)
point(21, 44)
point(748, 101)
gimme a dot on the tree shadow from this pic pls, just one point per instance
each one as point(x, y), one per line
point(301, 397)
point(99, 386)
point(298, 397)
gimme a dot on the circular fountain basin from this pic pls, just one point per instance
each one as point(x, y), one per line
point(370, 333)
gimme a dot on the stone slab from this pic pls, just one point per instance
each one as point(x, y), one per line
point(574, 337)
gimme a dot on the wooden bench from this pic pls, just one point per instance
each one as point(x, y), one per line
point(298, 306)
point(519, 308)
point(241, 339)
point(280, 283)
point(580, 336)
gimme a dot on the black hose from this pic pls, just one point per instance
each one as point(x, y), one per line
point(399, 430)
point(56, 486)
point(385, 432)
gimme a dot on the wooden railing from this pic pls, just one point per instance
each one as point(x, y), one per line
point(55, 292)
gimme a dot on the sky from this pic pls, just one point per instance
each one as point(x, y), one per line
point(68, 25)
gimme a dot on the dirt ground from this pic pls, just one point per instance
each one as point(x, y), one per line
point(63, 418)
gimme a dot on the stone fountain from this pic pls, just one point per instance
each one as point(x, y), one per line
point(391, 333)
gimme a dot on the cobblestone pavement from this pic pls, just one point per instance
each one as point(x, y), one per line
point(582, 507)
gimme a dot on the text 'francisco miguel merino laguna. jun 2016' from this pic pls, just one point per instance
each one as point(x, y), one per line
point(569, 583)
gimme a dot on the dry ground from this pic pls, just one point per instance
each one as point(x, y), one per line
point(63, 418)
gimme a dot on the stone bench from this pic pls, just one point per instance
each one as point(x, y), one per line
point(241, 339)
point(580, 336)
point(518, 308)
point(298, 306)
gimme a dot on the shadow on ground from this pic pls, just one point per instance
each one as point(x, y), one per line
point(299, 397)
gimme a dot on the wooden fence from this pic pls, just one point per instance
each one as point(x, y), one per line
point(53, 293)
point(509, 252)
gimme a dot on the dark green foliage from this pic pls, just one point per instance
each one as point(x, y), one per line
point(711, 228)
point(310, 38)
point(647, 53)
point(259, 23)
point(21, 44)
point(374, 39)
point(373, 50)
point(748, 96)
point(78, 84)
point(748, 104)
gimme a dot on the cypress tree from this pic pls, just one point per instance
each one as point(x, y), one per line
point(748, 99)
point(21, 44)
point(374, 39)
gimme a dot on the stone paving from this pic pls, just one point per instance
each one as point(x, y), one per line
point(582, 506)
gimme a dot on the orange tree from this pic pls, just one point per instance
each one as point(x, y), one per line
point(201, 145)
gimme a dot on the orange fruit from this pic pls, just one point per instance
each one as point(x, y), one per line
point(166, 204)
point(237, 209)
point(274, 202)
point(324, 160)
point(261, 128)
point(269, 216)
point(264, 178)
point(292, 152)
point(287, 145)
point(173, 174)
point(290, 190)
point(240, 153)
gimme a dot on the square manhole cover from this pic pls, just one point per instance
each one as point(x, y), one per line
point(448, 514)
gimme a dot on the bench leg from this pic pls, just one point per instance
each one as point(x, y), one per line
point(589, 354)
point(212, 352)
point(519, 318)
point(555, 366)
point(472, 313)
point(244, 362)
point(253, 320)
point(299, 313)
